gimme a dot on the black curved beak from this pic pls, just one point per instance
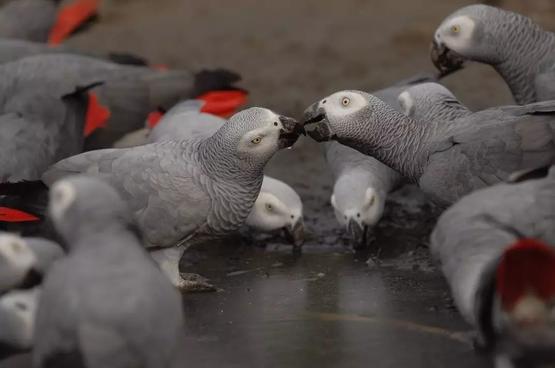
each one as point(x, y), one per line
point(445, 60)
point(357, 234)
point(290, 132)
point(294, 234)
point(316, 123)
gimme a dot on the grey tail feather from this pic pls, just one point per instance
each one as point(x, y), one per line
point(212, 80)
point(124, 58)
point(22, 188)
point(529, 174)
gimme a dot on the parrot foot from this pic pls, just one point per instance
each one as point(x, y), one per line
point(194, 283)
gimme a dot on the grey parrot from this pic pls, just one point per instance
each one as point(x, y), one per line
point(181, 191)
point(17, 318)
point(22, 259)
point(361, 183)
point(128, 93)
point(519, 50)
point(41, 122)
point(479, 150)
point(106, 304)
point(277, 207)
point(431, 103)
point(496, 248)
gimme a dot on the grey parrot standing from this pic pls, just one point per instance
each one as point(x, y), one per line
point(128, 93)
point(476, 151)
point(361, 183)
point(496, 248)
point(106, 304)
point(277, 207)
point(17, 319)
point(186, 190)
point(519, 50)
point(23, 259)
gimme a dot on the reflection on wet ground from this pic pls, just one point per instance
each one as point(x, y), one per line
point(329, 307)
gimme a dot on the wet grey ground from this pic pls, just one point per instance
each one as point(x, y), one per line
point(326, 307)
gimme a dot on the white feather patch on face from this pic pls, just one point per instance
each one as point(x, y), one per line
point(62, 195)
point(407, 103)
point(22, 307)
point(263, 139)
point(457, 34)
point(15, 252)
point(367, 212)
point(269, 213)
point(343, 103)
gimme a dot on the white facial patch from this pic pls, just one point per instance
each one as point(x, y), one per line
point(530, 309)
point(343, 103)
point(407, 103)
point(268, 213)
point(457, 34)
point(22, 306)
point(367, 212)
point(62, 195)
point(15, 252)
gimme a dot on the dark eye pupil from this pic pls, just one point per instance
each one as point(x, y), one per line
point(292, 216)
point(275, 123)
point(358, 214)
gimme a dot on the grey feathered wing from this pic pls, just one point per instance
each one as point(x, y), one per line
point(38, 129)
point(475, 156)
point(161, 183)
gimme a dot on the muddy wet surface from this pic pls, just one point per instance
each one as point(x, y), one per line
point(327, 307)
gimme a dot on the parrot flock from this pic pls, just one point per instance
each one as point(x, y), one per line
point(112, 168)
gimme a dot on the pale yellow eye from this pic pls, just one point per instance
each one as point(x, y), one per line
point(256, 140)
point(455, 28)
point(345, 101)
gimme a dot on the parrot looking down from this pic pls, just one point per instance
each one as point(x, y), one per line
point(106, 304)
point(448, 160)
point(500, 266)
point(519, 50)
point(362, 182)
point(24, 259)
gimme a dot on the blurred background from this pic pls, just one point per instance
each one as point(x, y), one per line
point(293, 52)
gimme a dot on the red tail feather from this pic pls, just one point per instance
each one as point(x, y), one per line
point(13, 215)
point(97, 115)
point(223, 103)
point(527, 266)
point(153, 118)
point(70, 17)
